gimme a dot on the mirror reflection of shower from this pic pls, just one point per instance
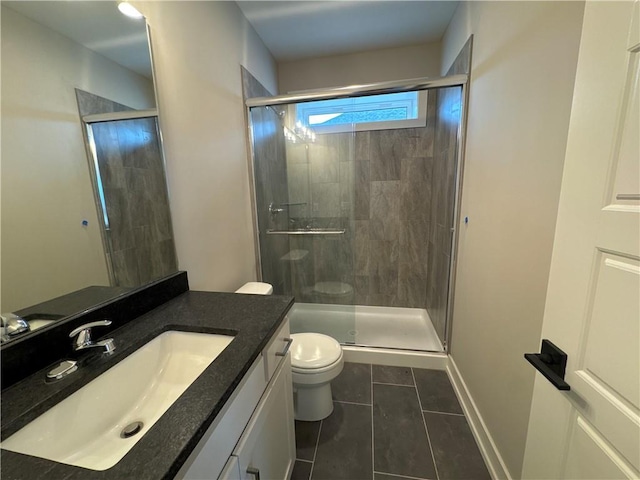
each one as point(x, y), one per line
point(131, 194)
point(355, 205)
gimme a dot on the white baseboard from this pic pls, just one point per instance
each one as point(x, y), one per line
point(395, 358)
point(493, 459)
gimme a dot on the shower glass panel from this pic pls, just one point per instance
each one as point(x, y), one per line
point(305, 212)
point(445, 182)
point(355, 207)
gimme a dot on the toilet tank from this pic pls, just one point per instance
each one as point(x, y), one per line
point(256, 288)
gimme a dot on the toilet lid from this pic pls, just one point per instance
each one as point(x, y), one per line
point(333, 288)
point(313, 350)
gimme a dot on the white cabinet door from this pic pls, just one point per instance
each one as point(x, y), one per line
point(266, 449)
point(274, 351)
point(593, 300)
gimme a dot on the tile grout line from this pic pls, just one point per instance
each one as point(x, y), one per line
point(424, 422)
point(444, 413)
point(401, 476)
point(315, 451)
point(353, 403)
point(393, 384)
point(373, 443)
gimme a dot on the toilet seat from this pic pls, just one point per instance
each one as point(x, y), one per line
point(314, 353)
point(316, 360)
point(316, 371)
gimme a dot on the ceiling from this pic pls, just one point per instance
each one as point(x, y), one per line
point(292, 30)
point(98, 25)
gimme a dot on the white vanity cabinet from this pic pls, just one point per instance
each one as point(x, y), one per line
point(266, 450)
point(253, 436)
point(231, 470)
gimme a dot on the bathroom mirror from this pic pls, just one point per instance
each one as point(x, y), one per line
point(85, 210)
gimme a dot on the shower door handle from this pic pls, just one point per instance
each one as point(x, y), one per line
point(273, 210)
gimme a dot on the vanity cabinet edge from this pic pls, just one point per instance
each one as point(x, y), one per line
point(212, 458)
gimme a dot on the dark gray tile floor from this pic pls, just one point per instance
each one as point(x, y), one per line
point(389, 423)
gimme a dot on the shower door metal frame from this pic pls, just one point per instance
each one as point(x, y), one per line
point(361, 90)
point(461, 145)
point(398, 86)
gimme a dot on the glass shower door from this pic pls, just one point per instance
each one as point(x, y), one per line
point(305, 212)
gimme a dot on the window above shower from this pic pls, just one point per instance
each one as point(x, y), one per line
point(375, 112)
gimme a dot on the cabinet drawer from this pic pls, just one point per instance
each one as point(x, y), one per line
point(277, 349)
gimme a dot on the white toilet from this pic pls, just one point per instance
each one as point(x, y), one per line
point(316, 360)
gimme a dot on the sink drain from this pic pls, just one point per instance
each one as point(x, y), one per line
point(131, 429)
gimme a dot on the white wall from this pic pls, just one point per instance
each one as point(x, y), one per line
point(46, 188)
point(524, 61)
point(198, 48)
point(357, 68)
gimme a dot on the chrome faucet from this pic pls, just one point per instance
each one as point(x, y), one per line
point(83, 339)
point(81, 342)
point(12, 325)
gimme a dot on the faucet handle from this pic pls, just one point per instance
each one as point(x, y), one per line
point(88, 326)
point(84, 333)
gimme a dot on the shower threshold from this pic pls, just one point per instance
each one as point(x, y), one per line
point(380, 327)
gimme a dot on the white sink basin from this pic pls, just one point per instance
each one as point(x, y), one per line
point(85, 428)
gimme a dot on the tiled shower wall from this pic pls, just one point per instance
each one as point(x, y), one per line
point(320, 178)
point(378, 186)
point(393, 188)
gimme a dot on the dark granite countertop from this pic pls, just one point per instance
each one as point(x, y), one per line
point(253, 319)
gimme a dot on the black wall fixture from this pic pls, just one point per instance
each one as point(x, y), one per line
point(550, 362)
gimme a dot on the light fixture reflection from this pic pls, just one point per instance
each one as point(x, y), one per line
point(129, 10)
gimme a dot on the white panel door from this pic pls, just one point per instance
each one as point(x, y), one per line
point(593, 300)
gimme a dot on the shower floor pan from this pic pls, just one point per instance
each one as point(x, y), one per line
point(384, 327)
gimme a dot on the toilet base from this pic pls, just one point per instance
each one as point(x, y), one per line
point(312, 402)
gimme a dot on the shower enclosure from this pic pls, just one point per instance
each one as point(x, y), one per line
point(355, 192)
